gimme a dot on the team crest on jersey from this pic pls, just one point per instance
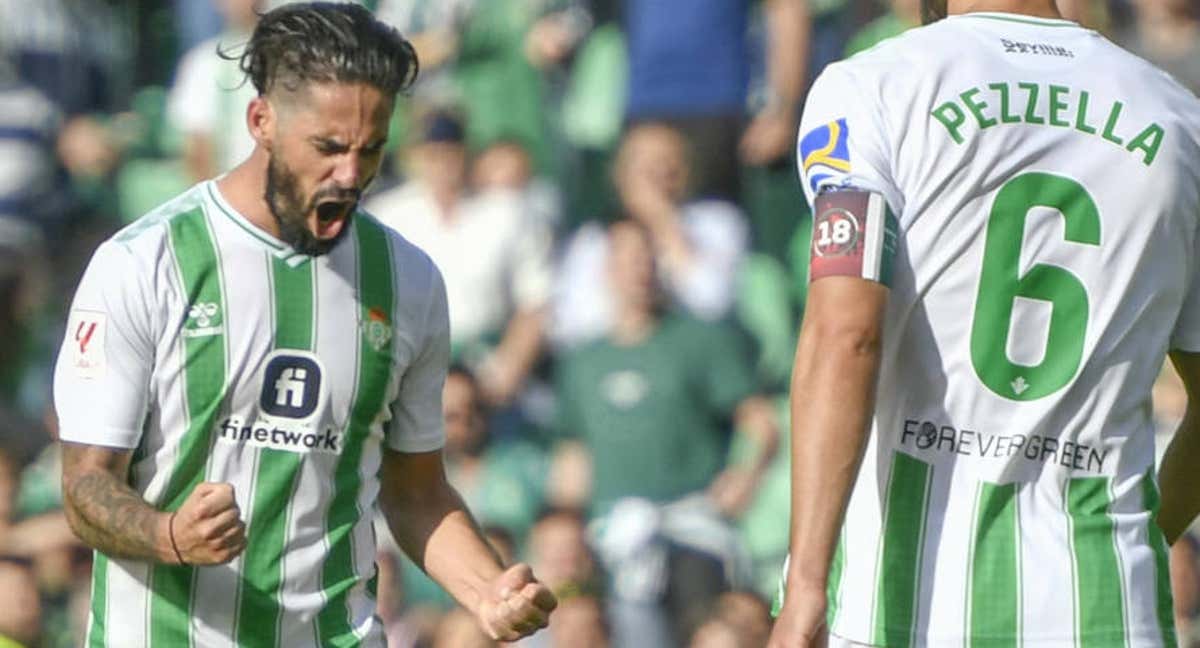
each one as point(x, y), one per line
point(825, 152)
point(377, 329)
point(203, 318)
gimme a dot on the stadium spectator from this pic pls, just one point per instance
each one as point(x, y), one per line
point(579, 621)
point(656, 393)
point(21, 614)
point(504, 167)
point(483, 54)
point(29, 180)
point(1167, 33)
point(689, 66)
point(207, 104)
point(719, 633)
point(458, 630)
point(559, 553)
point(698, 245)
point(72, 54)
point(36, 529)
point(494, 256)
point(900, 16)
point(748, 614)
point(195, 22)
point(501, 480)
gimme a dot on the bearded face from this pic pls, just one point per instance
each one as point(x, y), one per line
point(324, 144)
point(291, 209)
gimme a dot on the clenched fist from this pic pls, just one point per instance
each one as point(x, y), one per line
point(518, 605)
point(208, 529)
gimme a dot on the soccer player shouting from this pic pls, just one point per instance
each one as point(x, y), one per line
point(255, 366)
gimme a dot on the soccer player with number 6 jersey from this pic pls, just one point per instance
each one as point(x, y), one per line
point(1006, 244)
point(256, 367)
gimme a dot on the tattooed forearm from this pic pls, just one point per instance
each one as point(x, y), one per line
point(103, 510)
point(111, 517)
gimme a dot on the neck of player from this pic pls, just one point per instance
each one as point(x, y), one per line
point(1038, 8)
point(245, 188)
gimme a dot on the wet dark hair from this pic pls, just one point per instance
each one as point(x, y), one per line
point(322, 42)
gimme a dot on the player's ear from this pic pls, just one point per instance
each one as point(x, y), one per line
point(261, 118)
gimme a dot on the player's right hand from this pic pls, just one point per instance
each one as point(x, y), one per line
point(208, 527)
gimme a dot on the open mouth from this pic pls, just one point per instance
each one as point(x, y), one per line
point(331, 217)
point(331, 210)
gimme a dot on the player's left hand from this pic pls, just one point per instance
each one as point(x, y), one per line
point(769, 137)
point(518, 605)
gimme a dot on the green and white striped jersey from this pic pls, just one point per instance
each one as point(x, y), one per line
point(1047, 190)
point(217, 353)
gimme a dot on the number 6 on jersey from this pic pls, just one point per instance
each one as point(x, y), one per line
point(1000, 285)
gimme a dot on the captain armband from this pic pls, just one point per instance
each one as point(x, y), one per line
point(854, 235)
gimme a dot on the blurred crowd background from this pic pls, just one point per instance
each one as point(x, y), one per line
point(608, 187)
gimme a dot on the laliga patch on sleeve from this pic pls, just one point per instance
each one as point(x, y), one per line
point(85, 338)
point(854, 235)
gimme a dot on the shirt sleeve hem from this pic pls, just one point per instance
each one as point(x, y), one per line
point(418, 444)
point(90, 434)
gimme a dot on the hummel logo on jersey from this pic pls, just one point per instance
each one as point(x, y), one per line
point(1035, 48)
point(203, 318)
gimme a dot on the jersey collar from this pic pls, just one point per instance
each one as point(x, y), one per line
point(1019, 18)
point(277, 248)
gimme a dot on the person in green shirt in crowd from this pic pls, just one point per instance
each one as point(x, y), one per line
point(901, 16)
point(650, 403)
point(651, 400)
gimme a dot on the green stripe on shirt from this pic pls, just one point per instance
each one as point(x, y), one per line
point(834, 586)
point(96, 634)
point(995, 569)
point(376, 298)
point(907, 506)
point(1098, 591)
point(260, 611)
point(194, 249)
point(1165, 605)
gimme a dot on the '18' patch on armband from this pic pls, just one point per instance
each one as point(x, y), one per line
point(854, 235)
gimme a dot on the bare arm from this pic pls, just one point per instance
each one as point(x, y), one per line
point(505, 373)
point(111, 517)
point(789, 26)
point(431, 524)
point(1178, 478)
point(105, 512)
point(772, 132)
point(734, 488)
point(832, 400)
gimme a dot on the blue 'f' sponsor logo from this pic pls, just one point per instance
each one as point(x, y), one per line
point(824, 152)
point(291, 386)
